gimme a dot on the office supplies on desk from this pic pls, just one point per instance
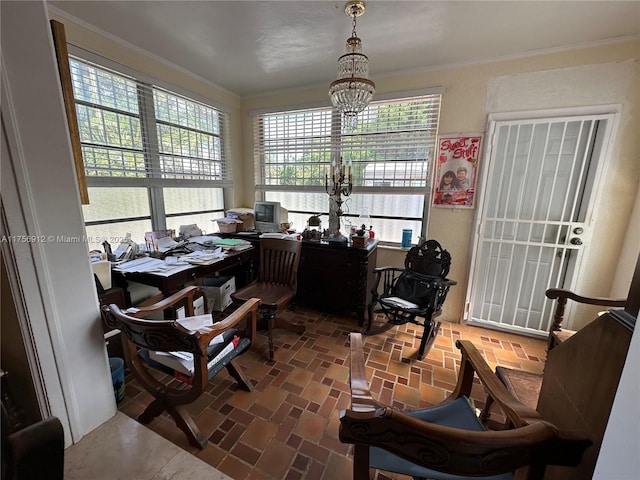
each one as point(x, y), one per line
point(189, 231)
point(204, 239)
point(233, 244)
point(206, 257)
point(151, 265)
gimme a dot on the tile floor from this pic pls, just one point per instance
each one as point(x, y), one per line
point(287, 428)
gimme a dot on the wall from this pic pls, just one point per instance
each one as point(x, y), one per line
point(618, 459)
point(51, 278)
point(13, 354)
point(559, 79)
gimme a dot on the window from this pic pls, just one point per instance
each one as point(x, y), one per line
point(391, 151)
point(154, 159)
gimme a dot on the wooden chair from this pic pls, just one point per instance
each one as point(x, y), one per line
point(524, 385)
point(557, 334)
point(448, 441)
point(139, 336)
point(414, 294)
point(276, 284)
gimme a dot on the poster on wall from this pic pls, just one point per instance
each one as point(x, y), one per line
point(456, 170)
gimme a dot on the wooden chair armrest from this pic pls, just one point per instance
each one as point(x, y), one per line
point(452, 450)
point(250, 307)
point(187, 292)
point(560, 293)
point(473, 362)
point(361, 399)
point(563, 295)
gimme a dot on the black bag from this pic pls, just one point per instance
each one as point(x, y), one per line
point(416, 288)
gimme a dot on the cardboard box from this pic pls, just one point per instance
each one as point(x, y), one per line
point(246, 216)
point(217, 291)
point(359, 241)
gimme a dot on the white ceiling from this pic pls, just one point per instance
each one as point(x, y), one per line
point(256, 47)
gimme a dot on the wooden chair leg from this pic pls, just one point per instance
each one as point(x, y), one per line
point(486, 411)
point(154, 409)
point(273, 322)
point(429, 334)
point(187, 424)
point(360, 462)
point(236, 372)
point(269, 317)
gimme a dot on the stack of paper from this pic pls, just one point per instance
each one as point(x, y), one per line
point(182, 362)
point(277, 235)
point(400, 302)
point(203, 257)
point(233, 244)
point(151, 265)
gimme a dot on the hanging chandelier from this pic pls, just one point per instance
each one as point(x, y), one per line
point(352, 91)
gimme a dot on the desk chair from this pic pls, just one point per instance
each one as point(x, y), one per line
point(139, 336)
point(448, 441)
point(414, 294)
point(276, 284)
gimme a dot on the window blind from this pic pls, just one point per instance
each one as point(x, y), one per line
point(133, 130)
point(392, 148)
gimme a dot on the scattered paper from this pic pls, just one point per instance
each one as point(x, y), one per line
point(400, 302)
point(197, 322)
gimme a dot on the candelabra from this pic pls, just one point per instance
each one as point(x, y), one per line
point(338, 183)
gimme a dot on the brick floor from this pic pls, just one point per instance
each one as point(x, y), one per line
point(287, 428)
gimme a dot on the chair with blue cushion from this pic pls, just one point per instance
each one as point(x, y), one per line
point(141, 335)
point(448, 441)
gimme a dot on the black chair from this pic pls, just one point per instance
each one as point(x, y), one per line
point(36, 451)
point(414, 294)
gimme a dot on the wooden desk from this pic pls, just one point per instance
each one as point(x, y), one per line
point(337, 277)
point(240, 264)
point(333, 277)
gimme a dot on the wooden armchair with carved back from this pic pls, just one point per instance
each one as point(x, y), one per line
point(204, 344)
point(413, 294)
point(448, 441)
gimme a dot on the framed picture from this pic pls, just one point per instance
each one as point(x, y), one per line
point(456, 170)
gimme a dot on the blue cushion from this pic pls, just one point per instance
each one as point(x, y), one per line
point(457, 414)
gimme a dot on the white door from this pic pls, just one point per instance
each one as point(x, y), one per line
point(534, 217)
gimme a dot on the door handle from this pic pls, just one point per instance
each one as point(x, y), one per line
point(576, 241)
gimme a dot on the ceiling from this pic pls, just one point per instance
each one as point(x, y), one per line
point(252, 48)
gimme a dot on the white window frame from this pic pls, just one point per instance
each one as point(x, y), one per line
point(384, 177)
point(154, 180)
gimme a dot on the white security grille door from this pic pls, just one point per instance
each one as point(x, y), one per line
point(534, 219)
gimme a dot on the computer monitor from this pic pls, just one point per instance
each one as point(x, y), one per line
point(269, 216)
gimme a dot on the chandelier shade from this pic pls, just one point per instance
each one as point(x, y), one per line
point(352, 91)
